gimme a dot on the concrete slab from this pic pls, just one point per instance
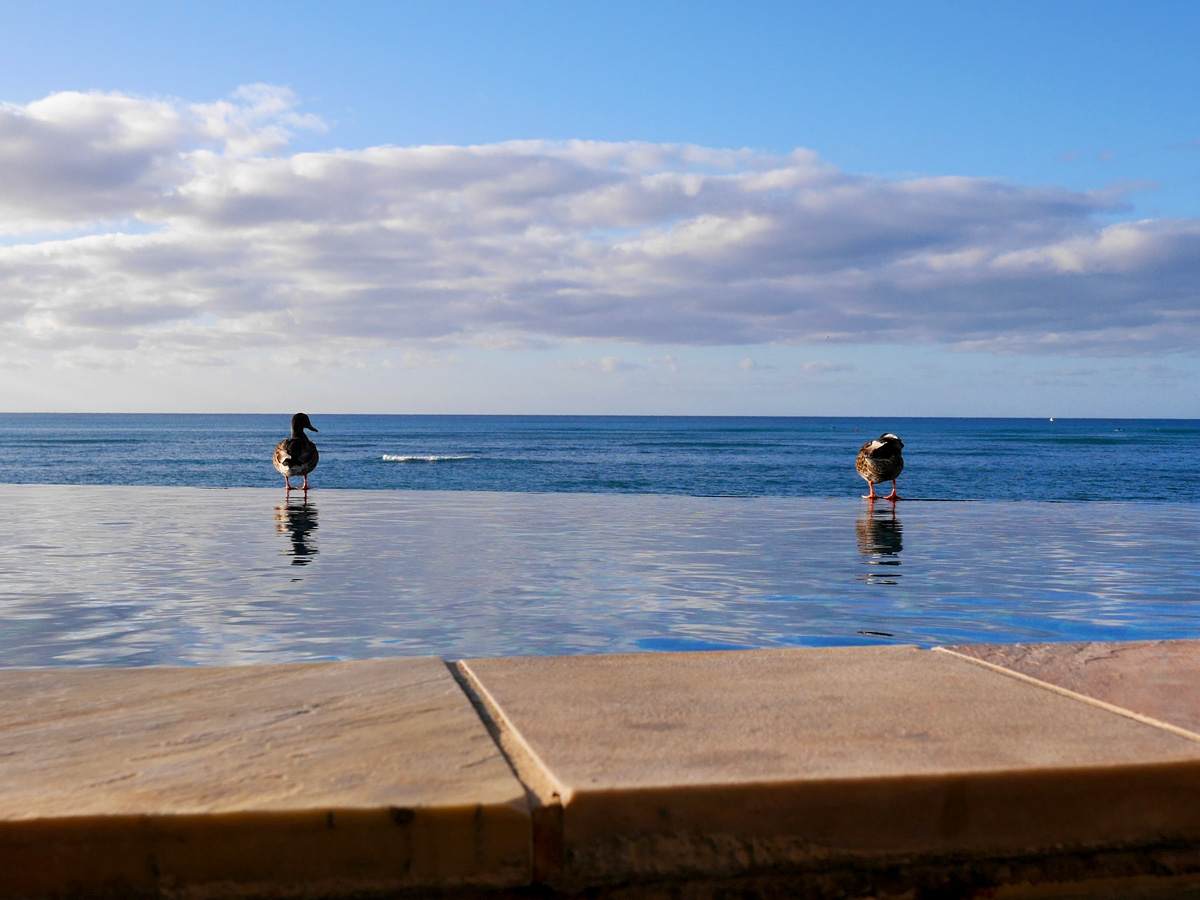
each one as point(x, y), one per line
point(1158, 680)
point(724, 762)
point(324, 778)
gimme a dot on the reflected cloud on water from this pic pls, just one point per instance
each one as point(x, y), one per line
point(880, 540)
point(118, 576)
point(298, 519)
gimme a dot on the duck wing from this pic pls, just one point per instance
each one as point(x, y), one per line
point(307, 456)
point(879, 460)
point(298, 454)
point(295, 453)
point(281, 457)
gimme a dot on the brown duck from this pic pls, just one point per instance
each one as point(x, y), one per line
point(880, 460)
point(296, 455)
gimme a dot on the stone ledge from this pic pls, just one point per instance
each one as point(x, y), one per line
point(1064, 770)
point(1157, 682)
point(682, 765)
point(330, 778)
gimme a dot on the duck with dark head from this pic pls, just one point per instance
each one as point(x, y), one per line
point(296, 455)
point(880, 460)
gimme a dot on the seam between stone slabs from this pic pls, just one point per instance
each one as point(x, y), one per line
point(543, 792)
point(530, 769)
point(1074, 695)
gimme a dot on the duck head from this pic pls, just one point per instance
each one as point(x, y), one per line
point(300, 421)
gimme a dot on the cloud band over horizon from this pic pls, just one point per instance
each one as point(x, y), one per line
point(154, 226)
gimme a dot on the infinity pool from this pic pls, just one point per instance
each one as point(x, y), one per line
point(123, 576)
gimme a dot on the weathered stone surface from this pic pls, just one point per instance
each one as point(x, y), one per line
point(1159, 680)
point(331, 776)
point(729, 762)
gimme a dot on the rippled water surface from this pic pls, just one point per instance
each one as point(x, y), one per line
point(160, 575)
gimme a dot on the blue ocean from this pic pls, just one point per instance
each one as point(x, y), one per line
point(1143, 460)
point(134, 540)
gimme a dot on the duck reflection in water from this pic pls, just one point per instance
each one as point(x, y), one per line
point(880, 540)
point(298, 519)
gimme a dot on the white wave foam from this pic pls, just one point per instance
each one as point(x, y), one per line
point(392, 457)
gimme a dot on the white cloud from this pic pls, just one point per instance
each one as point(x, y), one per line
point(76, 159)
point(158, 227)
point(750, 365)
point(824, 367)
point(607, 364)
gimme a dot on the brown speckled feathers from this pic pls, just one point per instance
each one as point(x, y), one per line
point(880, 459)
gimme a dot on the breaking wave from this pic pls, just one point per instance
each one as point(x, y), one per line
point(419, 458)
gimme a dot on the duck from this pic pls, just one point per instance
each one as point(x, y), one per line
point(880, 460)
point(296, 455)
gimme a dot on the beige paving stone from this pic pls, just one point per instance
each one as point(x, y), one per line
point(1159, 680)
point(726, 762)
point(322, 777)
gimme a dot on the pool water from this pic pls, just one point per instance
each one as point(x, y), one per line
point(116, 576)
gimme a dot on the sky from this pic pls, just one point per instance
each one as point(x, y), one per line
point(918, 208)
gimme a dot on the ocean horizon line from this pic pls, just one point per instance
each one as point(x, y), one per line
point(895, 417)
